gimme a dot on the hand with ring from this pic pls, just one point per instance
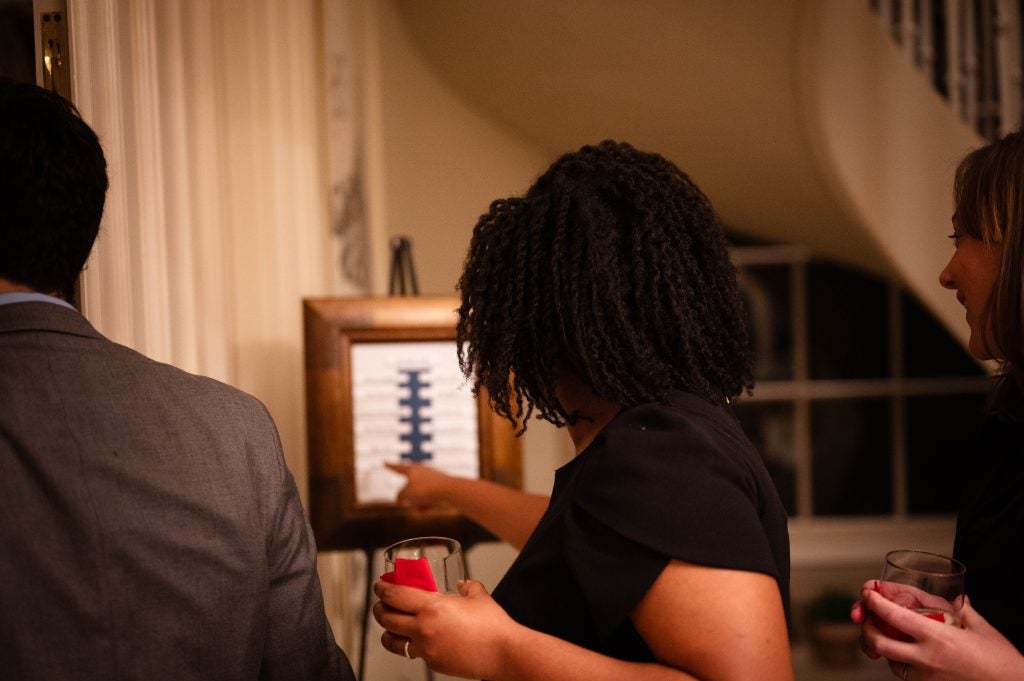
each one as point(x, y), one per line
point(443, 627)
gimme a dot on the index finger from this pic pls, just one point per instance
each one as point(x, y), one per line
point(402, 468)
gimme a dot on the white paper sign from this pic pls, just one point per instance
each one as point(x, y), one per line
point(411, 404)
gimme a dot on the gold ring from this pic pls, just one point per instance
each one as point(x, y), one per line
point(409, 640)
point(906, 668)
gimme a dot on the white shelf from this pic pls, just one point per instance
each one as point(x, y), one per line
point(818, 542)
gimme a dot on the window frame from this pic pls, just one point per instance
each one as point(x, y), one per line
point(837, 540)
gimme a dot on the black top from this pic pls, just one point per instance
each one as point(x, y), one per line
point(660, 482)
point(990, 530)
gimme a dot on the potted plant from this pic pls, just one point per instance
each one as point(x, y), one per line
point(834, 638)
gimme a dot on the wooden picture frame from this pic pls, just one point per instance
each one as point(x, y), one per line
point(339, 519)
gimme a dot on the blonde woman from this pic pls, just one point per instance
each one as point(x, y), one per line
point(987, 274)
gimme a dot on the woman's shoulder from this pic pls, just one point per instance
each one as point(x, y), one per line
point(684, 445)
point(680, 478)
point(684, 426)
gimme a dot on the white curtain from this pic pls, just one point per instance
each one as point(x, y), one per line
point(216, 223)
point(212, 117)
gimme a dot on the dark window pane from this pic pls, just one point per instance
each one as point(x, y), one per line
point(17, 48)
point(851, 456)
point(847, 323)
point(930, 350)
point(770, 427)
point(941, 431)
point(736, 239)
point(766, 292)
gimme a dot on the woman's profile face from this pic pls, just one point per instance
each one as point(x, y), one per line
point(971, 272)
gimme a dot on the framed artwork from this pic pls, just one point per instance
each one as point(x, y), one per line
point(383, 384)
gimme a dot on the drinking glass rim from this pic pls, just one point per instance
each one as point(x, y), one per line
point(456, 549)
point(959, 568)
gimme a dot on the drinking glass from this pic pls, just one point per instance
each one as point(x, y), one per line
point(928, 583)
point(442, 556)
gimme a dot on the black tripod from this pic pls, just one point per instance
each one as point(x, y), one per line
point(402, 270)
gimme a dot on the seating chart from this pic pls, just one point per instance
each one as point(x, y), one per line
point(411, 404)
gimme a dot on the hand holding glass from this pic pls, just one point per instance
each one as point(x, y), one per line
point(426, 562)
point(927, 583)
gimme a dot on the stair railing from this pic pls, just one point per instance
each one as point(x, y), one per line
point(970, 51)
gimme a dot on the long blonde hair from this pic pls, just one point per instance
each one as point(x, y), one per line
point(988, 194)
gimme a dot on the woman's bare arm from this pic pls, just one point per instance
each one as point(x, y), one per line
point(701, 623)
point(508, 513)
point(716, 623)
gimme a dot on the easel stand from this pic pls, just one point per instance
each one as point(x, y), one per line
point(403, 274)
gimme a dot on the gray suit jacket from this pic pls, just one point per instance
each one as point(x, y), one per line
point(149, 528)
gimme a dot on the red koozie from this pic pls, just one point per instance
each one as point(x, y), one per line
point(414, 572)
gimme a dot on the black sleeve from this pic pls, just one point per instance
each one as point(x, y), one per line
point(662, 486)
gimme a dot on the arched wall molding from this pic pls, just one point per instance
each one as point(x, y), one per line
point(885, 143)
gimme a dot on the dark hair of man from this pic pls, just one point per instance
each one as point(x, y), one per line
point(53, 182)
point(988, 194)
point(613, 267)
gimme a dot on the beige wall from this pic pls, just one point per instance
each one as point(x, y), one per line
point(710, 85)
point(441, 160)
point(801, 119)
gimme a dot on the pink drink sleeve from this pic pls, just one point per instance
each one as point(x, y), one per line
point(414, 572)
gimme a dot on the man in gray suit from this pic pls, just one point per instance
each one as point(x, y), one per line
point(149, 528)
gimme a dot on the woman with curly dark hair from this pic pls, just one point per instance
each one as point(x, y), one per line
point(604, 301)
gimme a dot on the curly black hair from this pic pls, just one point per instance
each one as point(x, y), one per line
point(53, 184)
point(613, 267)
